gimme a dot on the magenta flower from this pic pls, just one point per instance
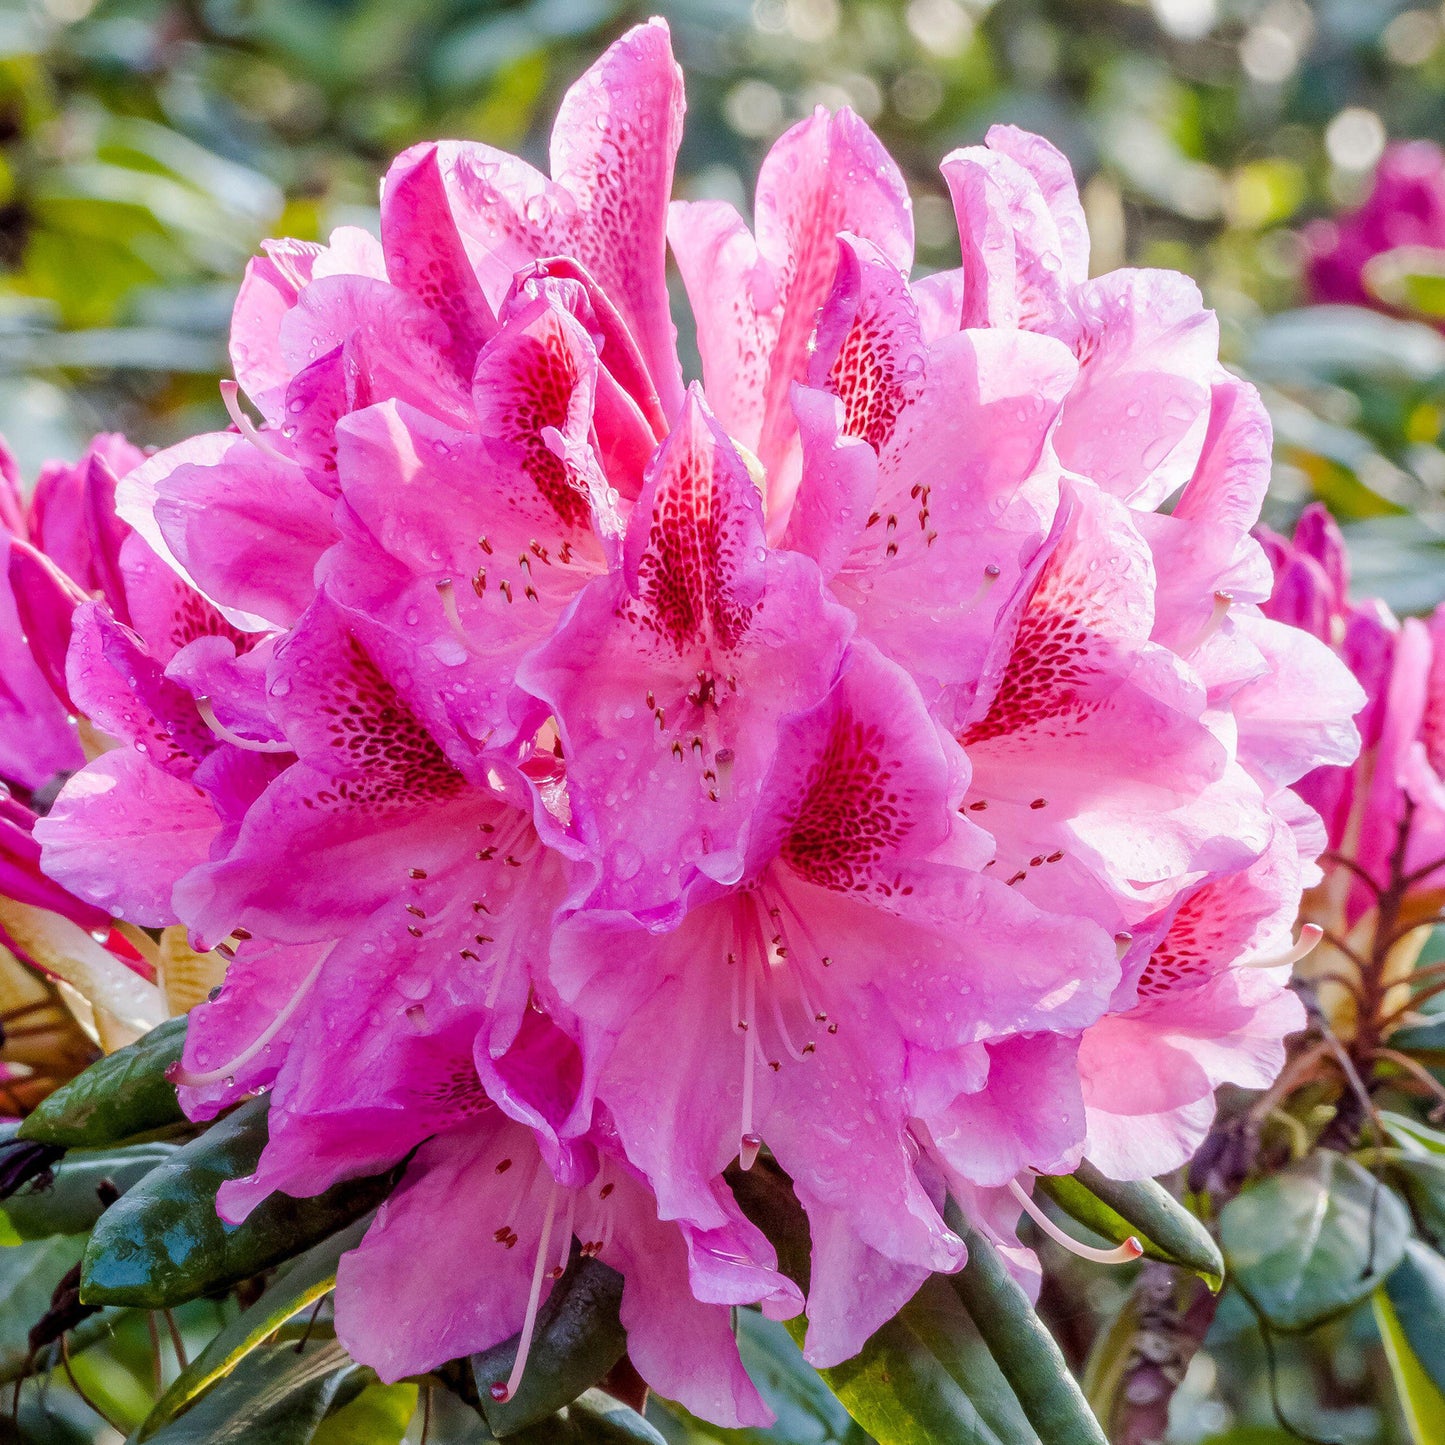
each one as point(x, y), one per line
point(618, 778)
point(1405, 208)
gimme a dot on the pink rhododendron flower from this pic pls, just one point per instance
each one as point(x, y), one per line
point(850, 756)
point(1384, 816)
point(1405, 208)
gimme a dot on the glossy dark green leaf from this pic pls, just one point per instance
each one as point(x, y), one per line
point(1421, 1402)
point(1422, 1180)
point(1144, 1209)
point(307, 1280)
point(379, 1415)
point(1416, 1290)
point(1425, 1042)
point(594, 1418)
point(278, 1397)
point(926, 1375)
point(1314, 1240)
point(117, 1098)
point(578, 1339)
point(163, 1243)
point(1026, 1353)
point(29, 1273)
point(71, 1202)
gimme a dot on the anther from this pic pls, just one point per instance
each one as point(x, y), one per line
point(1222, 602)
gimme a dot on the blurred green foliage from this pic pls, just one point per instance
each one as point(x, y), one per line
point(146, 147)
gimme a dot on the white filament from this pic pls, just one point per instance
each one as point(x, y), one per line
point(1131, 1249)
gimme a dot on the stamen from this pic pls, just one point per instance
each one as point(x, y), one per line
point(749, 1143)
point(208, 716)
point(248, 428)
point(183, 1077)
point(568, 1225)
point(991, 575)
point(448, 595)
point(1309, 935)
point(1131, 1249)
point(1222, 603)
point(500, 1392)
point(1122, 941)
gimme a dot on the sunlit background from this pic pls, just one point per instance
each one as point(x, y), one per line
point(146, 147)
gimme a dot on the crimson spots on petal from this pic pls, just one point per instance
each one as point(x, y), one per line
point(535, 378)
point(704, 540)
point(852, 814)
point(1199, 942)
point(375, 735)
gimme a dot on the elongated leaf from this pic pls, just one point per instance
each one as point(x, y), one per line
point(163, 1243)
point(71, 1203)
point(1025, 1351)
point(29, 1273)
point(1145, 1209)
point(1425, 1042)
point(117, 1098)
point(1416, 1291)
point(1314, 1240)
point(280, 1397)
point(594, 1418)
point(379, 1415)
point(306, 1281)
point(1420, 1398)
point(578, 1339)
point(926, 1376)
point(1412, 1136)
point(1422, 1178)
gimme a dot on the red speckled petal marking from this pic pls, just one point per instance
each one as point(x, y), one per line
point(537, 376)
point(425, 254)
point(871, 782)
point(346, 720)
point(1201, 940)
point(869, 348)
point(1091, 593)
point(850, 819)
point(699, 574)
point(613, 147)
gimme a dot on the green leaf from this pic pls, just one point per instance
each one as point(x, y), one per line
point(594, 1418)
point(1025, 1351)
point(163, 1243)
point(307, 1280)
point(1165, 1229)
point(1409, 278)
point(379, 1415)
point(115, 1099)
point(1416, 1292)
point(1420, 1398)
point(279, 1397)
point(1425, 1042)
point(1422, 1178)
point(578, 1339)
point(1314, 1240)
point(71, 1204)
point(1414, 1137)
point(29, 1273)
point(927, 1376)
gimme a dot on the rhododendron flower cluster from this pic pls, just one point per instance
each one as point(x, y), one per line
point(60, 545)
point(874, 754)
point(1385, 816)
point(1403, 214)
